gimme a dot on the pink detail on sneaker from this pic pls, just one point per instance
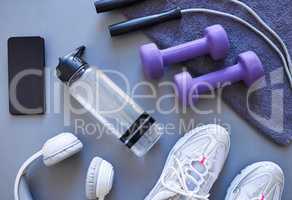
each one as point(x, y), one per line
point(203, 160)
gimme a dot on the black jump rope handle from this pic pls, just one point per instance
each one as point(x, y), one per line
point(108, 5)
point(143, 22)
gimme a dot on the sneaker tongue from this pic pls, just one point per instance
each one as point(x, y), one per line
point(256, 187)
point(199, 166)
point(255, 192)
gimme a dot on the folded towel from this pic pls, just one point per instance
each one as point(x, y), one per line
point(268, 104)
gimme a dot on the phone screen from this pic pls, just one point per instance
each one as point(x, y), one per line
point(26, 68)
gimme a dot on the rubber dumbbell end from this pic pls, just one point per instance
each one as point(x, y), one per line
point(183, 82)
point(252, 65)
point(218, 42)
point(152, 61)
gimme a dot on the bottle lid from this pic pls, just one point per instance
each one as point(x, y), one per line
point(70, 64)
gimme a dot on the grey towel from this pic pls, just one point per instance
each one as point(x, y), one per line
point(270, 107)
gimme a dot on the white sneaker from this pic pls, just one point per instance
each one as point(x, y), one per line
point(260, 181)
point(193, 165)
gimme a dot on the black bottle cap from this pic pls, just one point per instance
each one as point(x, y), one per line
point(70, 64)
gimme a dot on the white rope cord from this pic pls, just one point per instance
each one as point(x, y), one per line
point(238, 19)
point(21, 172)
point(269, 29)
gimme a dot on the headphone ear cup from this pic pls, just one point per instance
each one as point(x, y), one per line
point(24, 192)
point(91, 179)
point(99, 179)
point(60, 147)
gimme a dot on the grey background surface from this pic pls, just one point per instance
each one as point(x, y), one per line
point(65, 25)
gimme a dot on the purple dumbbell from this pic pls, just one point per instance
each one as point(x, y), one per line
point(249, 69)
point(215, 43)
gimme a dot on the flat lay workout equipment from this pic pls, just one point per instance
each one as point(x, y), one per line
point(215, 42)
point(248, 34)
point(186, 171)
point(57, 149)
point(248, 69)
point(145, 21)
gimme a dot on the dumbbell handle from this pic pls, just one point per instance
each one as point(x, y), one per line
point(185, 51)
point(219, 78)
point(143, 22)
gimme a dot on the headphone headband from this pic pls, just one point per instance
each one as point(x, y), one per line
point(57, 149)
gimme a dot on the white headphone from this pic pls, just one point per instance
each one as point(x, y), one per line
point(100, 173)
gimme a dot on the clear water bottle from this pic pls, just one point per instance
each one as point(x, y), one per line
point(112, 107)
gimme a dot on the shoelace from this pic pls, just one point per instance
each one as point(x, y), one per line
point(181, 177)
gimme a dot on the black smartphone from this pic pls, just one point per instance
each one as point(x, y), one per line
point(26, 71)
